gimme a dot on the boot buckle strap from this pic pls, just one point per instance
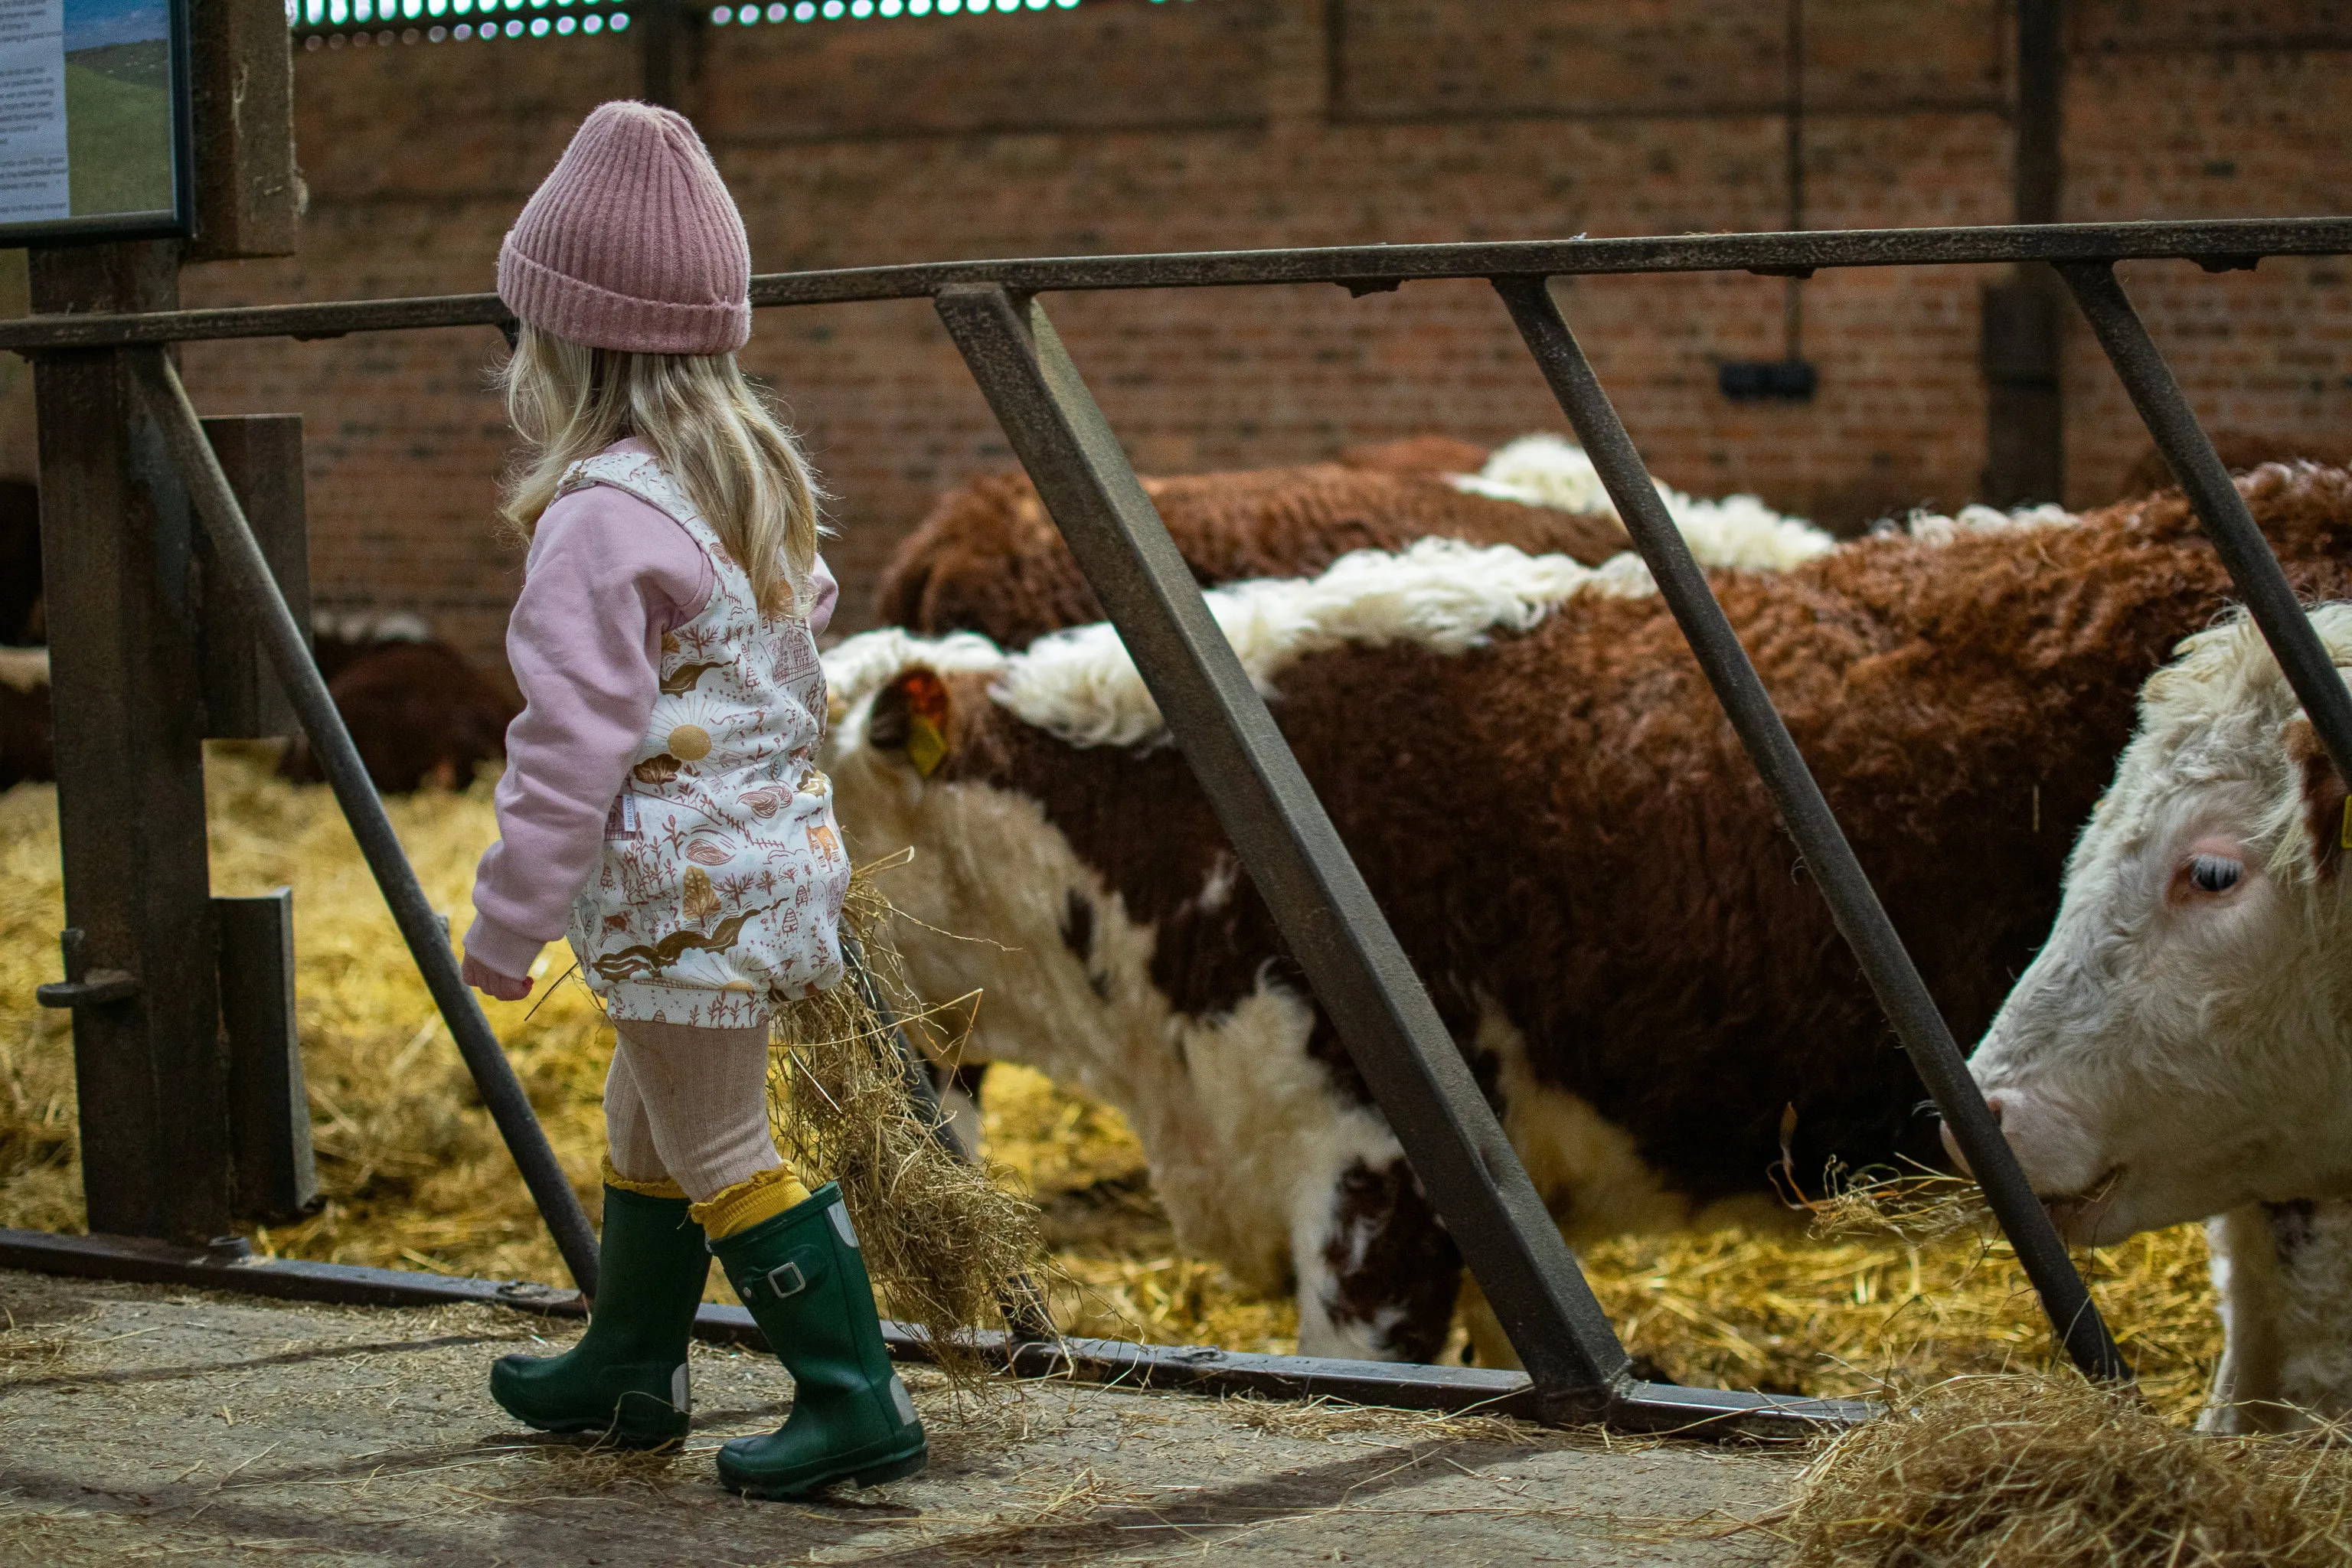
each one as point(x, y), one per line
point(785, 1280)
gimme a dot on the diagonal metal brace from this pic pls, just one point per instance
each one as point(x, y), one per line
point(1829, 858)
point(1294, 857)
point(2189, 451)
point(428, 939)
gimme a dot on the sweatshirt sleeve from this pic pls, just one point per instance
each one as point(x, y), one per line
point(608, 575)
point(826, 594)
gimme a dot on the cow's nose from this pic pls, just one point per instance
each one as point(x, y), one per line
point(1952, 1145)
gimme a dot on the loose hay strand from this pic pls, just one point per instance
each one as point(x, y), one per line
point(1915, 1205)
point(950, 1245)
point(2055, 1472)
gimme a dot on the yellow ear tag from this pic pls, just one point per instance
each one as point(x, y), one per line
point(927, 747)
point(2344, 834)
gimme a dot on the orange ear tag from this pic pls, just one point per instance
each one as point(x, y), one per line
point(927, 719)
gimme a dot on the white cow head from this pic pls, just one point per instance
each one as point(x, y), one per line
point(2183, 1043)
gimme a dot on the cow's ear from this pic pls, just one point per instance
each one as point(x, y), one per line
point(2327, 806)
point(910, 715)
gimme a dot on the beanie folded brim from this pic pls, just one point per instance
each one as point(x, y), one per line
point(580, 310)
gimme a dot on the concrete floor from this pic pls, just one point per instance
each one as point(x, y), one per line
point(139, 1423)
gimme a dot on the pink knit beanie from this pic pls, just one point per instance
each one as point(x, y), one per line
point(632, 242)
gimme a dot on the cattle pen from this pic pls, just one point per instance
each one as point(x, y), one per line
point(143, 1003)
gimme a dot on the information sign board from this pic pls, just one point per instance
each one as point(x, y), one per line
point(93, 120)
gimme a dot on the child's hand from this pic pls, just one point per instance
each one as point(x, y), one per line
point(491, 982)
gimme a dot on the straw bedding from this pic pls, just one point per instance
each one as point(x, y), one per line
point(414, 1177)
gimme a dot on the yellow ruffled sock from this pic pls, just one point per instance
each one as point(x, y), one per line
point(733, 1210)
point(665, 1188)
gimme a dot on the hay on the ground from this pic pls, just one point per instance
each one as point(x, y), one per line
point(416, 1177)
point(2055, 1472)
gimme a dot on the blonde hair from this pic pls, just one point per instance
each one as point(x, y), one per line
point(712, 429)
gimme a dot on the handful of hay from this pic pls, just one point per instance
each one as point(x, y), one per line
point(2055, 1472)
point(950, 1245)
point(1917, 1206)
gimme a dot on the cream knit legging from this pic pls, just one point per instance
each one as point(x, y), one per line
point(689, 1106)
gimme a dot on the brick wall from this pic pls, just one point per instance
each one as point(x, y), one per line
point(1210, 123)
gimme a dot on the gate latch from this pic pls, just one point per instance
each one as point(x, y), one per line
point(85, 988)
point(96, 989)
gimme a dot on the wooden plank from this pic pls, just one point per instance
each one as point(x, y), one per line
point(118, 572)
point(269, 1104)
point(241, 62)
point(262, 453)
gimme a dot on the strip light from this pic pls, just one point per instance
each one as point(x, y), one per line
point(322, 23)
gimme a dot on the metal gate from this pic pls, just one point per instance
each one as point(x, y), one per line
point(1577, 1370)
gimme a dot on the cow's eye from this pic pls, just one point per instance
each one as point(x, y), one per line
point(2214, 873)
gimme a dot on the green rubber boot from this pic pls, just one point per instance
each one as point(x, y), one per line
point(805, 1280)
point(626, 1378)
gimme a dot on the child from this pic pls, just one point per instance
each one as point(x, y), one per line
point(661, 807)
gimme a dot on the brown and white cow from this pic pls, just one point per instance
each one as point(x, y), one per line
point(419, 712)
point(1575, 852)
point(987, 559)
point(2183, 1046)
point(27, 747)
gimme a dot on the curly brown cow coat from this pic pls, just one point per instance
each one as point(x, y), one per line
point(988, 559)
point(2240, 451)
point(1584, 869)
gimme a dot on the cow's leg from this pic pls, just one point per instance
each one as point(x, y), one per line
point(2246, 1281)
point(2313, 1246)
point(1377, 1271)
point(2284, 1272)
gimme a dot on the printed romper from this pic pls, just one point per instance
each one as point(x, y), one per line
point(721, 886)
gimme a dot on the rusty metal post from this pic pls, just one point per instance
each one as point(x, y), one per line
point(262, 455)
point(119, 573)
point(180, 436)
point(269, 1104)
point(241, 68)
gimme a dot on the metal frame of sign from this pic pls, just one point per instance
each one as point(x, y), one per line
point(154, 224)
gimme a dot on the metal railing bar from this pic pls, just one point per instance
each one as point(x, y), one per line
point(1294, 857)
point(1706, 1414)
point(1853, 902)
point(290, 655)
point(2262, 583)
point(2220, 243)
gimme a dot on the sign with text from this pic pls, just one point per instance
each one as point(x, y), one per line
point(93, 120)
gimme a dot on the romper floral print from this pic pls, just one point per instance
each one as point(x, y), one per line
point(721, 886)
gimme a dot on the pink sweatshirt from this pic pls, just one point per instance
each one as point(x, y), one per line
point(607, 577)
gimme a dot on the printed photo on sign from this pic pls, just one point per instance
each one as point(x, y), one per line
point(119, 105)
